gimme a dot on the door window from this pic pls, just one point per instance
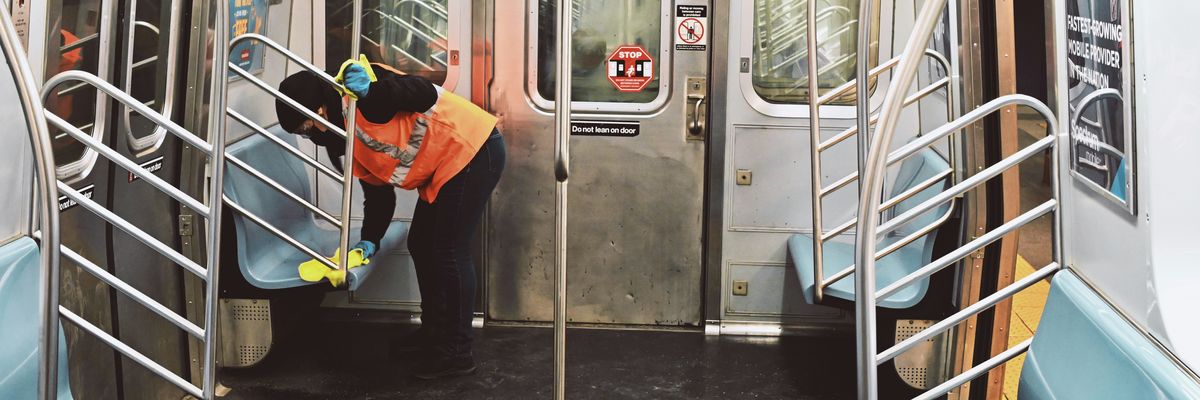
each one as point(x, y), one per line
point(780, 48)
point(600, 28)
point(410, 35)
point(74, 44)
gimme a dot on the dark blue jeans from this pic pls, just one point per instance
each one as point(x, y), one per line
point(440, 243)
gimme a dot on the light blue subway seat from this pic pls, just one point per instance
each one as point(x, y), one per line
point(266, 261)
point(1084, 349)
point(20, 323)
point(921, 167)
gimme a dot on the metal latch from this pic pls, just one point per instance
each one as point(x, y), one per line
point(696, 109)
point(185, 225)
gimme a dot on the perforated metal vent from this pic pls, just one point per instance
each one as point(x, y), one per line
point(245, 331)
point(914, 366)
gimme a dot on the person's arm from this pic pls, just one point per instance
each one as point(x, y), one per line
point(394, 93)
point(379, 204)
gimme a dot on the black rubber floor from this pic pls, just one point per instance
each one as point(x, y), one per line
point(348, 360)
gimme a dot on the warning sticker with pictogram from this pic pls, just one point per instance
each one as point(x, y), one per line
point(630, 68)
point(691, 28)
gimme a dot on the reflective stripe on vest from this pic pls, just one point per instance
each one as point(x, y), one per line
point(421, 151)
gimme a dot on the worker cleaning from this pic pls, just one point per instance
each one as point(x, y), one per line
point(414, 135)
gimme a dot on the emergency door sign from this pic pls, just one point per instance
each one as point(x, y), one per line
point(630, 68)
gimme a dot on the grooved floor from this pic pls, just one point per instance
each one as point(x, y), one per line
point(348, 360)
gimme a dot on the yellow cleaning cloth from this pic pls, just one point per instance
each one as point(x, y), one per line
point(341, 76)
point(315, 270)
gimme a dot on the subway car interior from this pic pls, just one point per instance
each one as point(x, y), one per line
point(959, 205)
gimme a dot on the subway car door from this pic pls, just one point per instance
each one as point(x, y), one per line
point(77, 38)
point(636, 194)
point(130, 44)
point(147, 65)
point(430, 38)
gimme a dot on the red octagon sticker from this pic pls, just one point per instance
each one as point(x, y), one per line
point(630, 68)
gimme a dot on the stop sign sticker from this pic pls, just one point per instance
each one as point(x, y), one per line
point(630, 68)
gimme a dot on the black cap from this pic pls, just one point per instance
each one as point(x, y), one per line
point(312, 92)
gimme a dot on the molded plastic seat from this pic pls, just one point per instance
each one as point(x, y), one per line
point(1084, 349)
point(19, 324)
point(837, 255)
point(266, 261)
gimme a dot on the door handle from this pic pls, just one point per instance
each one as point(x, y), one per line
point(696, 125)
point(697, 93)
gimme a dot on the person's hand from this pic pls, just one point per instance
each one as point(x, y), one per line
point(357, 80)
point(367, 247)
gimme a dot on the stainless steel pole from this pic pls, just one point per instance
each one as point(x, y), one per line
point(814, 133)
point(562, 161)
point(348, 159)
point(216, 166)
point(869, 199)
point(47, 195)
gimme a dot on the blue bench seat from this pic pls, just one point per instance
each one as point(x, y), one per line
point(837, 255)
point(1084, 349)
point(20, 321)
point(266, 261)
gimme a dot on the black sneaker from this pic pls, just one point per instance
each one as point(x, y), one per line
point(442, 366)
point(420, 339)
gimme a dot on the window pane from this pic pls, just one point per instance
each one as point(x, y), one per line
point(410, 35)
point(73, 47)
point(780, 59)
point(600, 27)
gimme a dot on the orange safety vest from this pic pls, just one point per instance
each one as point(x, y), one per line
point(421, 150)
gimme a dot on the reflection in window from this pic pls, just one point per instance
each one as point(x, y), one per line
point(410, 35)
point(148, 76)
point(600, 27)
point(780, 55)
point(74, 47)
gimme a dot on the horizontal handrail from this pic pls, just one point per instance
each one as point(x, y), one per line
point(132, 230)
point(78, 43)
point(894, 246)
point(976, 371)
point(287, 100)
point(285, 145)
point(128, 164)
point(129, 352)
point(918, 188)
point(129, 101)
point(915, 97)
point(133, 293)
point(968, 248)
point(968, 184)
point(279, 188)
point(277, 233)
point(285, 52)
point(968, 312)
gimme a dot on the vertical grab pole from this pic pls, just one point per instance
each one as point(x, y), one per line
point(216, 136)
point(47, 193)
point(348, 159)
point(868, 203)
point(814, 133)
point(562, 161)
point(864, 299)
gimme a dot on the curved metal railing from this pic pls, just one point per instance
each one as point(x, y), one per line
point(819, 190)
point(870, 205)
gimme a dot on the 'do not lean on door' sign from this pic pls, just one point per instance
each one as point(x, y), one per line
point(630, 68)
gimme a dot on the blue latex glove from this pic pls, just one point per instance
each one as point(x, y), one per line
point(367, 247)
point(357, 80)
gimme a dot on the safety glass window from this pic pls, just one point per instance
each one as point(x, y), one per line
point(615, 47)
point(410, 35)
point(73, 44)
point(780, 54)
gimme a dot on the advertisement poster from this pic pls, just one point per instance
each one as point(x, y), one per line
point(1099, 97)
point(247, 16)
